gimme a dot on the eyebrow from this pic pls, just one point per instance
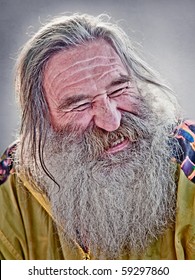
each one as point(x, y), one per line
point(121, 80)
point(68, 101)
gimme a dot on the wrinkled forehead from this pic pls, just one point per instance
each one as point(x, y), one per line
point(85, 52)
point(92, 56)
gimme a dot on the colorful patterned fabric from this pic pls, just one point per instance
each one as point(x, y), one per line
point(185, 133)
point(6, 163)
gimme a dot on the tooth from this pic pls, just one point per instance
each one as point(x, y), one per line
point(118, 141)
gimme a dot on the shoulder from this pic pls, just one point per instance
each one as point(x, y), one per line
point(7, 163)
point(185, 134)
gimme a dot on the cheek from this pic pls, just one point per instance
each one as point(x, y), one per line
point(79, 120)
point(128, 103)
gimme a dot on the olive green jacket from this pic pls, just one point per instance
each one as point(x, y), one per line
point(28, 230)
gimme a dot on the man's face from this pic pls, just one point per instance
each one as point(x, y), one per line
point(89, 85)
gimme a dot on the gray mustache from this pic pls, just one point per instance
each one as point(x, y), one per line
point(132, 127)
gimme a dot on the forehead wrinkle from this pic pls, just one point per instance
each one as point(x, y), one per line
point(59, 78)
point(49, 66)
point(74, 84)
point(49, 69)
point(94, 59)
point(106, 73)
point(96, 49)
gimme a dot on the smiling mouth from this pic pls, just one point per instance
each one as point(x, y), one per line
point(117, 146)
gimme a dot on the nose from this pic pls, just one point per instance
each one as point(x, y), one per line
point(106, 114)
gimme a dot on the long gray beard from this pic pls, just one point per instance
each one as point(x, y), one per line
point(111, 203)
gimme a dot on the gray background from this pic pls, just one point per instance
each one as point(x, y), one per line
point(163, 28)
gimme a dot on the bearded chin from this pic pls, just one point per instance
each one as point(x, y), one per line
point(117, 203)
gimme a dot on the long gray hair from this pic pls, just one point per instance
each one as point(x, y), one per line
point(63, 33)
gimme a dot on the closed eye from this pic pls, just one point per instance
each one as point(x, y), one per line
point(82, 107)
point(118, 92)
